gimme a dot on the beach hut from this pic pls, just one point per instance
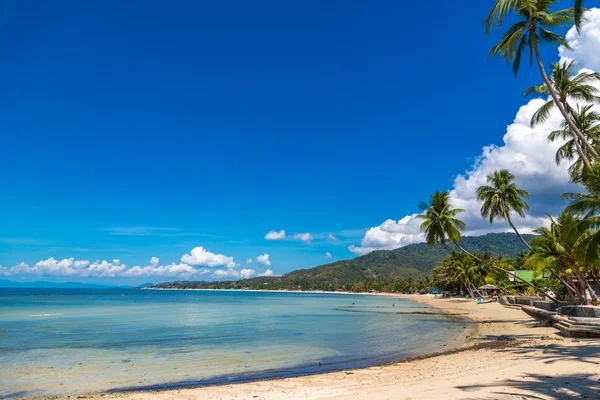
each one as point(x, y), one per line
point(489, 290)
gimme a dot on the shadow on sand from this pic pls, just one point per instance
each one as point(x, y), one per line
point(535, 386)
point(544, 386)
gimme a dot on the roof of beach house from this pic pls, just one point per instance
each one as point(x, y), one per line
point(525, 274)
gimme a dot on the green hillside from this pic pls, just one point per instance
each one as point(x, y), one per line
point(414, 261)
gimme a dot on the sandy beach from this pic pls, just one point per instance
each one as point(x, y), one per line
point(505, 356)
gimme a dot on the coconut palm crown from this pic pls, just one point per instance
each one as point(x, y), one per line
point(568, 86)
point(501, 196)
point(535, 18)
point(588, 122)
point(439, 222)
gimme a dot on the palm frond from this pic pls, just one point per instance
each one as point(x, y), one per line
point(501, 9)
point(542, 113)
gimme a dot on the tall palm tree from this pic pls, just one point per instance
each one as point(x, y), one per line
point(441, 226)
point(588, 122)
point(535, 17)
point(559, 247)
point(568, 85)
point(500, 197)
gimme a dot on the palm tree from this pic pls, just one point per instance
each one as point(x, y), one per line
point(500, 197)
point(441, 226)
point(588, 122)
point(439, 223)
point(568, 85)
point(559, 247)
point(465, 272)
point(588, 205)
point(535, 17)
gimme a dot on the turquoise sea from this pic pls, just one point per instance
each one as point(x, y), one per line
point(72, 341)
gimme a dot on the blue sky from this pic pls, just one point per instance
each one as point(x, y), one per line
point(139, 129)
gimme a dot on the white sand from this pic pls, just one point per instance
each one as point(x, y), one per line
point(512, 358)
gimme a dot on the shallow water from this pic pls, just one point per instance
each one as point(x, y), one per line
point(71, 341)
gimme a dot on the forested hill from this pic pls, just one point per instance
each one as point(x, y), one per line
point(412, 261)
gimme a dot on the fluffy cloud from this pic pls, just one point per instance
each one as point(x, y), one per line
point(274, 235)
point(331, 237)
point(586, 46)
point(247, 273)
point(328, 255)
point(200, 256)
point(66, 267)
point(249, 261)
point(305, 237)
point(267, 273)
point(264, 260)
point(105, 269)
point(525, 151)
point(228, 273)
point(180, 270)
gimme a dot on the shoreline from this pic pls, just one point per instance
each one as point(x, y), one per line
point(505, 355)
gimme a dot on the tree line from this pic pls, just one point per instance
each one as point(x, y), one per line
point(566, 250)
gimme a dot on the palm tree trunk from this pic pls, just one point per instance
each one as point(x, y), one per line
point(565, 283)
point(558, 103)
point(517, 232)
point(506, 271)
point(584, 283)
point(584, 157)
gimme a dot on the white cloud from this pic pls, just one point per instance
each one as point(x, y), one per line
point(180, 270)
point(264, 260)
point(267, 273)
point(105, 269)
point(525, 151)
point(586, 46)
point(66, 267)
point(116, 261)
point(331, 237)
point(247, 273)
point(228, 273)
point(200, 256)
point(274, 235)
point(328, 255)
point(305, 237)
point(80, 264)
point(249, 261)
point(154, 261)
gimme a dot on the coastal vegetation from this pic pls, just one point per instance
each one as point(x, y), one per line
point(567, 250)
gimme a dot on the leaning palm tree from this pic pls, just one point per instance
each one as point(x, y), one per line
point(568, 86)
point(535, 17)
point(441, 226)
point(554, 252)
point(559, 247)
point(500, 197)
point(588, 122)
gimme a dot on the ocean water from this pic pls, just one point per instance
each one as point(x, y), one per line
point(72, 341)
